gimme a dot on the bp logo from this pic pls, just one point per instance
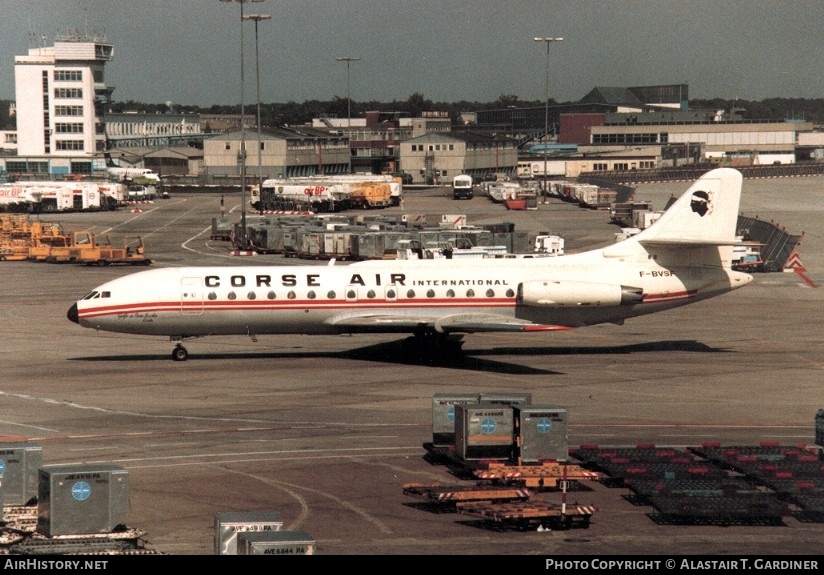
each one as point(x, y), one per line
point(487, 426)
point(81, 490)
point(544, 425)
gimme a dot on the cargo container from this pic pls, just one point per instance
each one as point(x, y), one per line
point(230, 524)
point(540, 433)
point(81, 499)
point(506, 397)
point(19, 465)
point(483, 431)
point(443, 415)
point(280, 543)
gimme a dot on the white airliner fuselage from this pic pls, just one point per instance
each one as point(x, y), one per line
point(133, 174)
point(682, 258)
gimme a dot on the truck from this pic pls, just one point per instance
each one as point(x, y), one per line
point(549, 244)
point(61, 196)
point(394, 182)
point(462, 187)
point(369, 194)
point(141, 192)
point(102, 252)
point(294, 194)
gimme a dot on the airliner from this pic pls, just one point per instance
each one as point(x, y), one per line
point(122, 174)
point(682, 258)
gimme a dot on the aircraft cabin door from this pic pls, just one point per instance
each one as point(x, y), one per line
point(191, 296)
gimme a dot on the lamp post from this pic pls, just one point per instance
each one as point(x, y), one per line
point(257, 18)
point(244, 236)
point(547, 41)
point(348, 60)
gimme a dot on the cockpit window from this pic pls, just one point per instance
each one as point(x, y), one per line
point(98, 294)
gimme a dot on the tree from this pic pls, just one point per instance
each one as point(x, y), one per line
point(339, 108)
point(507, 101)
point(417, 104)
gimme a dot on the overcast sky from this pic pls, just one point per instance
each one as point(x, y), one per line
point(188, 51)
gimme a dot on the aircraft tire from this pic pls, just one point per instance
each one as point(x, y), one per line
point(180, 353)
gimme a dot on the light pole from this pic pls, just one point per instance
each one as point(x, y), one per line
point(257, 18)
point(548, 41)
point(244, 236)
point(348, 60)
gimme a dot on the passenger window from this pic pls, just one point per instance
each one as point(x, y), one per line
point(251, 295)
point(470, 293)
point(212, 295)
point(291, 295)
point(430, 293)
point(232, 295)
point(271, 295)
point(331, 294)
point(450, 293)
point(311, 294)
point(490, 293)
point(410, 294)
point(510, 293)
point(370, 294)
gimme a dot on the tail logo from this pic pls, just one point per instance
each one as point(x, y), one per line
point(701, 203)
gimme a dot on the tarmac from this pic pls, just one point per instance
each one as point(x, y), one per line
point(326, 430)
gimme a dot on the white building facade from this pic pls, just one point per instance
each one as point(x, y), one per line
point(60, 94)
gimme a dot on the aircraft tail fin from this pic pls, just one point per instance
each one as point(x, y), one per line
point(706, 214)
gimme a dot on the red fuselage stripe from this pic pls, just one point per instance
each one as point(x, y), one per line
point(283, 305)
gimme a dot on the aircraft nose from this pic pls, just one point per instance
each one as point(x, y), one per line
point(72, 314)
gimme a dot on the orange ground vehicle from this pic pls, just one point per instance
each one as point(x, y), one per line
point(103, 253)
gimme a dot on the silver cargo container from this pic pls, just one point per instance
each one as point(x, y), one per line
point(443, 415)
point(484, 431)
point(281, 543)
point(540, 433)
point(230, 524)
point(506, 397)
point(19, 464)
point(81, 499)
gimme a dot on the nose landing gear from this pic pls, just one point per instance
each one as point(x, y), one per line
point(180, 353)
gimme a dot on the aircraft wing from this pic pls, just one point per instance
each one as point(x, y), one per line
point(453, 323)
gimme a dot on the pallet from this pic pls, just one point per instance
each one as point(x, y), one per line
point(453, 494)
point(529, 514)
point(545, 475)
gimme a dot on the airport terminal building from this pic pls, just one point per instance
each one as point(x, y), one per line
point(63, 130)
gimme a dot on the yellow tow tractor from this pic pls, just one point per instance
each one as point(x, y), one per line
point(103, 253)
